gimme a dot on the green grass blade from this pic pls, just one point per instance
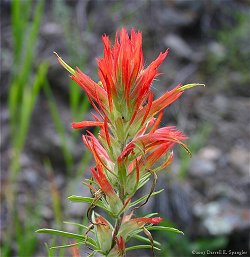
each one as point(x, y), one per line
point(22, 71)
point(26, 109)
point(55, 195)
point(50, 252)
point(25, 238)
point(28, 103)
point(12, 98)
point(16, 29)
point(32, 38)
point(59, 126)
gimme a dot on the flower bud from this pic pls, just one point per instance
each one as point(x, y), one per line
point(104, 234)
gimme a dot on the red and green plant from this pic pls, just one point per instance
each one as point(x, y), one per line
point(129, 151)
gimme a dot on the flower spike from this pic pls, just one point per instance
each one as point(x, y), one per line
point(130, 148)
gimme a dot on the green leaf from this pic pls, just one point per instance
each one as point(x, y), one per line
point(63, 246)
point(169, 229)
point(151, 214)
point(140, 247)
point(89, 200)
point(81, 199)
point(146, 240)
point(144, 198)
point(61, 233)
point(143, 181)
point(91, 181)
point(76, 224)
point(88, 241)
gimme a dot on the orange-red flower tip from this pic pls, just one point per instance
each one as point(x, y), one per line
point(102, 180)
point(156, 220)
point(84, 124)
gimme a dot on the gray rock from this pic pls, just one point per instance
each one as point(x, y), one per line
point(221, 103)
point(51, 29)
point(178, 46)
point(200, 167)
point(189, 4)
point(30, 176)
point(225, 191)
point(47, 212)
point(220, 218)
point(174, 18)
point(217, 50)
point(210, 153)
point(240, 159)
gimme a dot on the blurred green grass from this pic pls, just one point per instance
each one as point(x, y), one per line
point(27, 83)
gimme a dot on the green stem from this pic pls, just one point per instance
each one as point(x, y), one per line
point(117, 228)
point(120, 218)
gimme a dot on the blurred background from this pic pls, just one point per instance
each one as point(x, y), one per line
point(43, 161)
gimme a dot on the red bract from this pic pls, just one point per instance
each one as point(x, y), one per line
point(96, 148)
point(131, 225)
point(84, 124)
point(124, 80)
point(93, 90)
point(164, 137)
point(119, 249)
point(143, 221)
point(120, 245)
point(102, 180)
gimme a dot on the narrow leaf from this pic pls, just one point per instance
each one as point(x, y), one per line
point(75, 224)
point(140, 247)
point(60, 233)
point(189, 86)
point(63, 246)
point(64, 64)
point(146, 240)
point(151, 214)
point(89, 200)
point(144, 197)
point(169, 229)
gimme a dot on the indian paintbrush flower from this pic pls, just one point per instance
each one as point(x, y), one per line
point(130, 148)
